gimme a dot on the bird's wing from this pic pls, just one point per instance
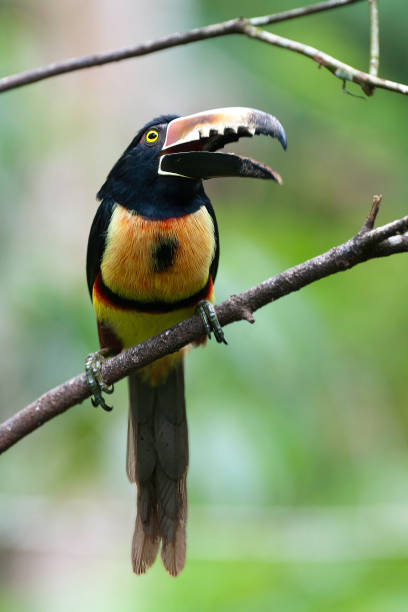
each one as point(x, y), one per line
point(96, 241)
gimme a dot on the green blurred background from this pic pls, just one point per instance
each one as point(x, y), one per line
point(298, 483)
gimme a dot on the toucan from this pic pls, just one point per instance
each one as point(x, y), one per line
point(152, 260)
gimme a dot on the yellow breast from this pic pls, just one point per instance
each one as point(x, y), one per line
point(164, 260)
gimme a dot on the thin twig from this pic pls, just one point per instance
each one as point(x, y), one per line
point(342, 71)
point(374, 38)
point(372, 215)
point(386, 240)
point(303, 11)
point(234, 26)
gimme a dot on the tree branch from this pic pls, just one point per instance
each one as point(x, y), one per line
point(367, 244)
point(248, 27)
point(303, 11)
point(374, 38)
point(342, 71)
point(372, 215)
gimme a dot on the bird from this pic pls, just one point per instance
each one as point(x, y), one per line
point(152, 260)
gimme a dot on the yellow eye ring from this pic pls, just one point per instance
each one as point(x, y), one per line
point(152, 136)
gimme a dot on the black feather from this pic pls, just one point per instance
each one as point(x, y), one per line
point(97, 241)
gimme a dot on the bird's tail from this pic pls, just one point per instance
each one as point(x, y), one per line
point(157, 459)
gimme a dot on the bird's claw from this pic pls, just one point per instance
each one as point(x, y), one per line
point(210, 320)
point(95, 381)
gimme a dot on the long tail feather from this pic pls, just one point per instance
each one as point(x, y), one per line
point(157, 460)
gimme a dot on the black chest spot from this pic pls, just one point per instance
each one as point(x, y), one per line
point(164, 252)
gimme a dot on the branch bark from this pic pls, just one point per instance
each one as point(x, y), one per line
point(303, 11)
point(247, 27)
point(368, 244)
point(344, 72)
point(374, 38)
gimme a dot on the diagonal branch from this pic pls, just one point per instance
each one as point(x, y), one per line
point(367, 244)
point(342, 71)
point(303, 11)
point(248, 27)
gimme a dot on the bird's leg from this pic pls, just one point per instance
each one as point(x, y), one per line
point(210, 320)
point(94, 378)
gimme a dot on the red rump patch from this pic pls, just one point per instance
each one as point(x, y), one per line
point(97, 290)
point(108, 338)
point(210, 287)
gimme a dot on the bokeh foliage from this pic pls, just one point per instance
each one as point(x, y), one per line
point(307, 408)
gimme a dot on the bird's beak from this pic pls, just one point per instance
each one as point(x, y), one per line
point(191, 142)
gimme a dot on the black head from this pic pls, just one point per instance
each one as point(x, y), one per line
point(134, 181)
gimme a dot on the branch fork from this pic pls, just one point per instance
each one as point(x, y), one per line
point(251, 27)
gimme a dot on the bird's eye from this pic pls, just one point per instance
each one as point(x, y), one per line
point(152, 136)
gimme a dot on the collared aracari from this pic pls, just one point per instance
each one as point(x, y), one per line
point(152, 259)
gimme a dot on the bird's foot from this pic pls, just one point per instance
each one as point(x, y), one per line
point(210, 320)
point(93, 364)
